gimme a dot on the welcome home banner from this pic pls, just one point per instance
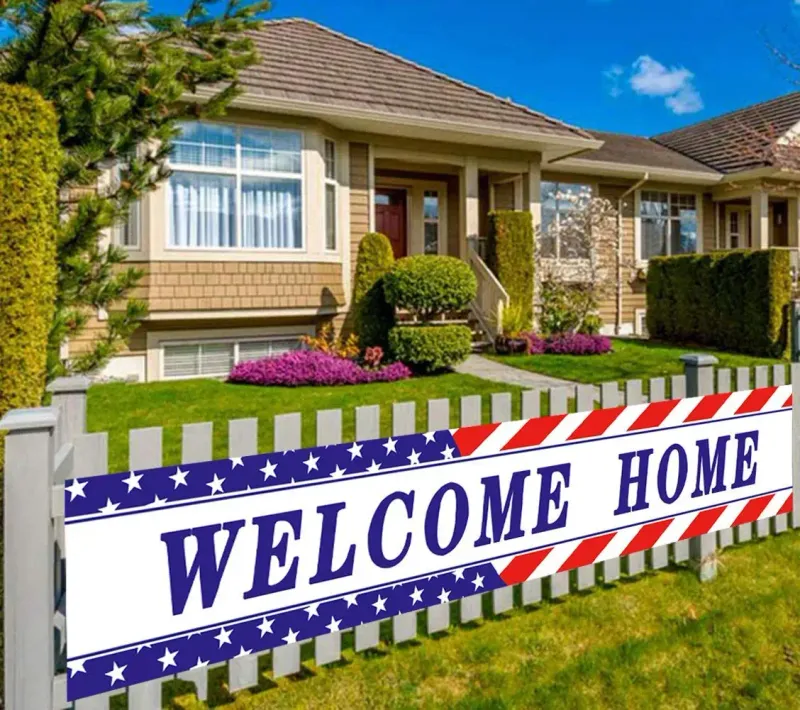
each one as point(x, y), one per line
point(180, 567)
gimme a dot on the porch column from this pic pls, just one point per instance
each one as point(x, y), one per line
point(532, 194)
point(469, 205)
point(759, 210)
point(794, 220)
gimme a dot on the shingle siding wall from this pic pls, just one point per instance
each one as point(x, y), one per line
point(359, 198)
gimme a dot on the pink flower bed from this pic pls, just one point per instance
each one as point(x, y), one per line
point(309, 367)
point(568, 344)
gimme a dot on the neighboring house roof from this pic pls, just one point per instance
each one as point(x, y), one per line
point(742, 139)
point(306, 62)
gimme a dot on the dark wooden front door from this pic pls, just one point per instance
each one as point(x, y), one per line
point(390, 218)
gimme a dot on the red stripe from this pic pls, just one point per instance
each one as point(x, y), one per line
point(587, 551)
point(703, 522)
point(787, 506)
point(707, 407)
point(756, 400)
point(523, 566)
point(647, 536)
point(752, 511)
point(788, 402)
point(596, 423)
point(534, 432)
point(654, 414)
point(469, 438)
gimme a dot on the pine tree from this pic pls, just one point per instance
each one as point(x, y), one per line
point(120, 79)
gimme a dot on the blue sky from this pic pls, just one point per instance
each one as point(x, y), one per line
point(635, 66)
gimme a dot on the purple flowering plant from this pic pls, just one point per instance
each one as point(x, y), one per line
point(568, 344)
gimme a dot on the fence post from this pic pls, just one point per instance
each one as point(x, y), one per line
point(69, 397)
point(699, 370)
point(28, 549)
point(794, 312)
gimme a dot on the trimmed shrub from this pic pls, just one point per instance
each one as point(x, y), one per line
point(427, 285)
point(430, 348)
point(736, 300)
point(374, 316)
point(510, 256)
point(30, 158)
point(311, 367)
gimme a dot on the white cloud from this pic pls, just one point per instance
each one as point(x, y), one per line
point(649, 77)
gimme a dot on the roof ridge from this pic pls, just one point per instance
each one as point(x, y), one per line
point(434, 72)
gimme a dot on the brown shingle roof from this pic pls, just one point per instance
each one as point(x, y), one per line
point(635, 150)
point(741, 139)
point(304, 61)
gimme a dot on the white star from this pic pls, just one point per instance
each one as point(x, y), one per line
point(334, 625)
point(216, 485)
point(109, 507)
point(236, 461)
point(311, 609)
point(414, 458)
point(311, 462)
point(478, 581)
point(374, 468)
point(265, 627)
point(416, 596)
point(116, 673)
point(447, 453)
point(430, 437)
point(269, 470)
point(243, 652)
point(224, 636)
point(459, 573)
point(390, 446)
point(200, 663)
point(168, 659)
point(338, 473)
point(379, 604)
point(75, 489)
point(179, 477)
point(76, 667)
point(351, 600)
point(444, 597)
point(144, 645)
point(132, 481)
point(291, 637)
point(355, 450)
point(158, 502)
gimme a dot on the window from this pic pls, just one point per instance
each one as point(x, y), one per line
point(330, 195)
point(430, 220)
point(126, 233)
point(669, 224)
point(235, 187)
point(214, 358)
point(559, 199)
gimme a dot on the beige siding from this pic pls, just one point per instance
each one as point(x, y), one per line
point(359, 198)
point(504, 196)
point(453, 215)
point(709, 224)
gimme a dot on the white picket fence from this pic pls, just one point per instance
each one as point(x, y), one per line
point(48, 445)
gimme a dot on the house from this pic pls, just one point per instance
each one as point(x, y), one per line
point(252, 241)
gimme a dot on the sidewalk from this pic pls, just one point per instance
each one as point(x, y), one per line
point(498, 372)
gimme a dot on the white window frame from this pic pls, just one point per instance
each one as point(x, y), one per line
point(214, 341)
point(557, 258)
point(437, 221)
point(134, 221)
point(334, 182)
point(641, 262)
point(239, 173)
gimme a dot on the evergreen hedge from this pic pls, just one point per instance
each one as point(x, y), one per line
point(735, 300)
point(510, 256)
point(430, 348)
point(374, 316)
point(30, 158)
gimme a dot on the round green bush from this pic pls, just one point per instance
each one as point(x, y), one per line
point(429, 348)
point(427, 285)
point(374, 316)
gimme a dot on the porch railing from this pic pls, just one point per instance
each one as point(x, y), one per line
point(491, 297)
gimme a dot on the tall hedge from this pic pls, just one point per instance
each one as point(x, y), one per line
point(510, 257)
point(30, 157)
point(736, 300)
point(374, 317)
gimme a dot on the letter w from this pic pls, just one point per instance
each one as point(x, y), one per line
point(203, 565)
point(511, 507)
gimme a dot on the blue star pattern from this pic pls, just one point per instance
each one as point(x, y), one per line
point(164, 657)
point(119, 492)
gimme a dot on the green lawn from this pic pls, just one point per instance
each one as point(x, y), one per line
point(629, 360)
point(118, 407)
point(661, 641)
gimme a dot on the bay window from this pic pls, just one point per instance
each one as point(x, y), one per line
point(669, 224)
point(236, 187)
point(559, 237)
